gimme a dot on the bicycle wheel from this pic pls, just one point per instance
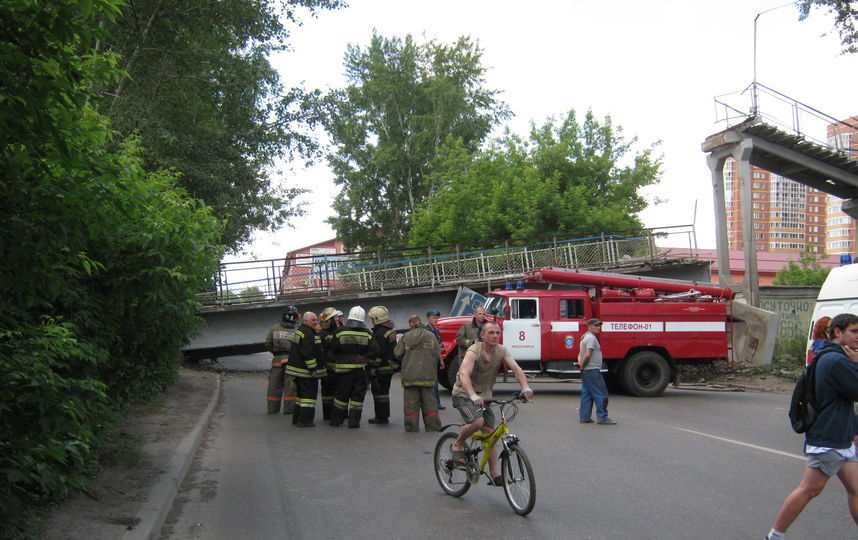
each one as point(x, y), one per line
point(452, 477)
point(519, 485)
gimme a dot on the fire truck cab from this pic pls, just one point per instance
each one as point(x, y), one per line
point(649, 328)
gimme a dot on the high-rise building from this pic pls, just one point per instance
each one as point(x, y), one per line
point(840, 231)
point(788, 216)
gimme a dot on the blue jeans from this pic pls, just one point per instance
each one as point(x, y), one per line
point(593, 389)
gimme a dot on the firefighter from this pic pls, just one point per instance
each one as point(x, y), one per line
point(307, 365)
point(383, 364)
point(418, 351)
point(278, 341)
point(329, 320)
point(347, 356)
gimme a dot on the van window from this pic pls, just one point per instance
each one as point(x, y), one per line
point(571, 309)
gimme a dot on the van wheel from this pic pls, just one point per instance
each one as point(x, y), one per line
point(646, 374)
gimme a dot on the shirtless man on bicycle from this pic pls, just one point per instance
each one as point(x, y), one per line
point(474, 382)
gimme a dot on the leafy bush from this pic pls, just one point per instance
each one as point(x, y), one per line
point(100, 259)
point(49, 418)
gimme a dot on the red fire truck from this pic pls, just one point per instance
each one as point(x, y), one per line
point(650, 326)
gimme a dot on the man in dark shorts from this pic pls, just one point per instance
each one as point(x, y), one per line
point(474, 383)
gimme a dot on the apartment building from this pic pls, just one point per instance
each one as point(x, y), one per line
point(840, 229)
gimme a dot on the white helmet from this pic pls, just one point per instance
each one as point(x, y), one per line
point(357, 314)
point(379, 314)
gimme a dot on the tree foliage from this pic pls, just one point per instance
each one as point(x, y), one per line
point(206, 101)
point(403, 100)
point(845, 17)
point(807, 272)
point(568, 178)
point(100, 258)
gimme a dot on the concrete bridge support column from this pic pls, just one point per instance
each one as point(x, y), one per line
point(740, 151)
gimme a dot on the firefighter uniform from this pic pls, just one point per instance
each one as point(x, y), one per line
point(329, 320)
point(382, 365)
point(278, 341)
point(419, 351)
point(350, 346)
point(307, 365)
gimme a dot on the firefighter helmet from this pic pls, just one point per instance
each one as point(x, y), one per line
point(328, 315)
point(357, 314)
point(291, 315)
point(379, 314)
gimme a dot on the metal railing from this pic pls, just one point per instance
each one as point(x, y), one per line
point(279, 279)
point(779, 110)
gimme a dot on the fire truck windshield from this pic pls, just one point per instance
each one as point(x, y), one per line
point(496, 306)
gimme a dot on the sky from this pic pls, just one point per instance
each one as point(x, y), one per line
point(654, 66)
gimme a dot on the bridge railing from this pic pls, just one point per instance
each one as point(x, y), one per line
point(781, 111)
point(279, 279)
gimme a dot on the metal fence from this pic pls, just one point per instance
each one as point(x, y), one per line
point(275, 279)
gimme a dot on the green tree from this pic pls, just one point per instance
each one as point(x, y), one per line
point(567, 178)
point(403, 101)
point(845, 17)
point(807, 272)
point(251, 294)
point(100, 259)
point(206, 101)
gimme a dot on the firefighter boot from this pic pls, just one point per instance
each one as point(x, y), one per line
point(305, 417)
point(337, 416)
point(295, 411)
point(382, 413)
point(326, 410)
point(354, 418)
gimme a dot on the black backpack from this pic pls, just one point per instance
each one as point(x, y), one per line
point(803, 408)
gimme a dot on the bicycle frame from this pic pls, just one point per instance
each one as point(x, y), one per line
point(488, 441)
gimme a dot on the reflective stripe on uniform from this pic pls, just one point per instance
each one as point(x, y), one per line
point(341, 368)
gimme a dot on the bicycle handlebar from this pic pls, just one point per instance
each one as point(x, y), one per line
point(515, 397)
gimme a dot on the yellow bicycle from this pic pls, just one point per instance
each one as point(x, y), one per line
point(456, 478)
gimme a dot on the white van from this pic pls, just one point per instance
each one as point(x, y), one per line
point(839, 294)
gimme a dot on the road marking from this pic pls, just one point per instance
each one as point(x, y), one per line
point(740, 443)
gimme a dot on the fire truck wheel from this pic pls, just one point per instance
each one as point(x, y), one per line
point(452, 370)
point(646, 374)
point(444, 374)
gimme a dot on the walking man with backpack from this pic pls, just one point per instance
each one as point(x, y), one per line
point(830, 441)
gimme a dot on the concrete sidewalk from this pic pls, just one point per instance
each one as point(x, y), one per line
point(130, 499)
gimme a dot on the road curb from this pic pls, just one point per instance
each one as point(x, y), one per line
point(160, 499)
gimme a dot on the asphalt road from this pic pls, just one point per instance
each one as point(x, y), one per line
point(690, 464)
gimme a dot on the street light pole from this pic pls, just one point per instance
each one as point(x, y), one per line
point(754, 92)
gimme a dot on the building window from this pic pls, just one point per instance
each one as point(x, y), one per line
point(834, 233)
